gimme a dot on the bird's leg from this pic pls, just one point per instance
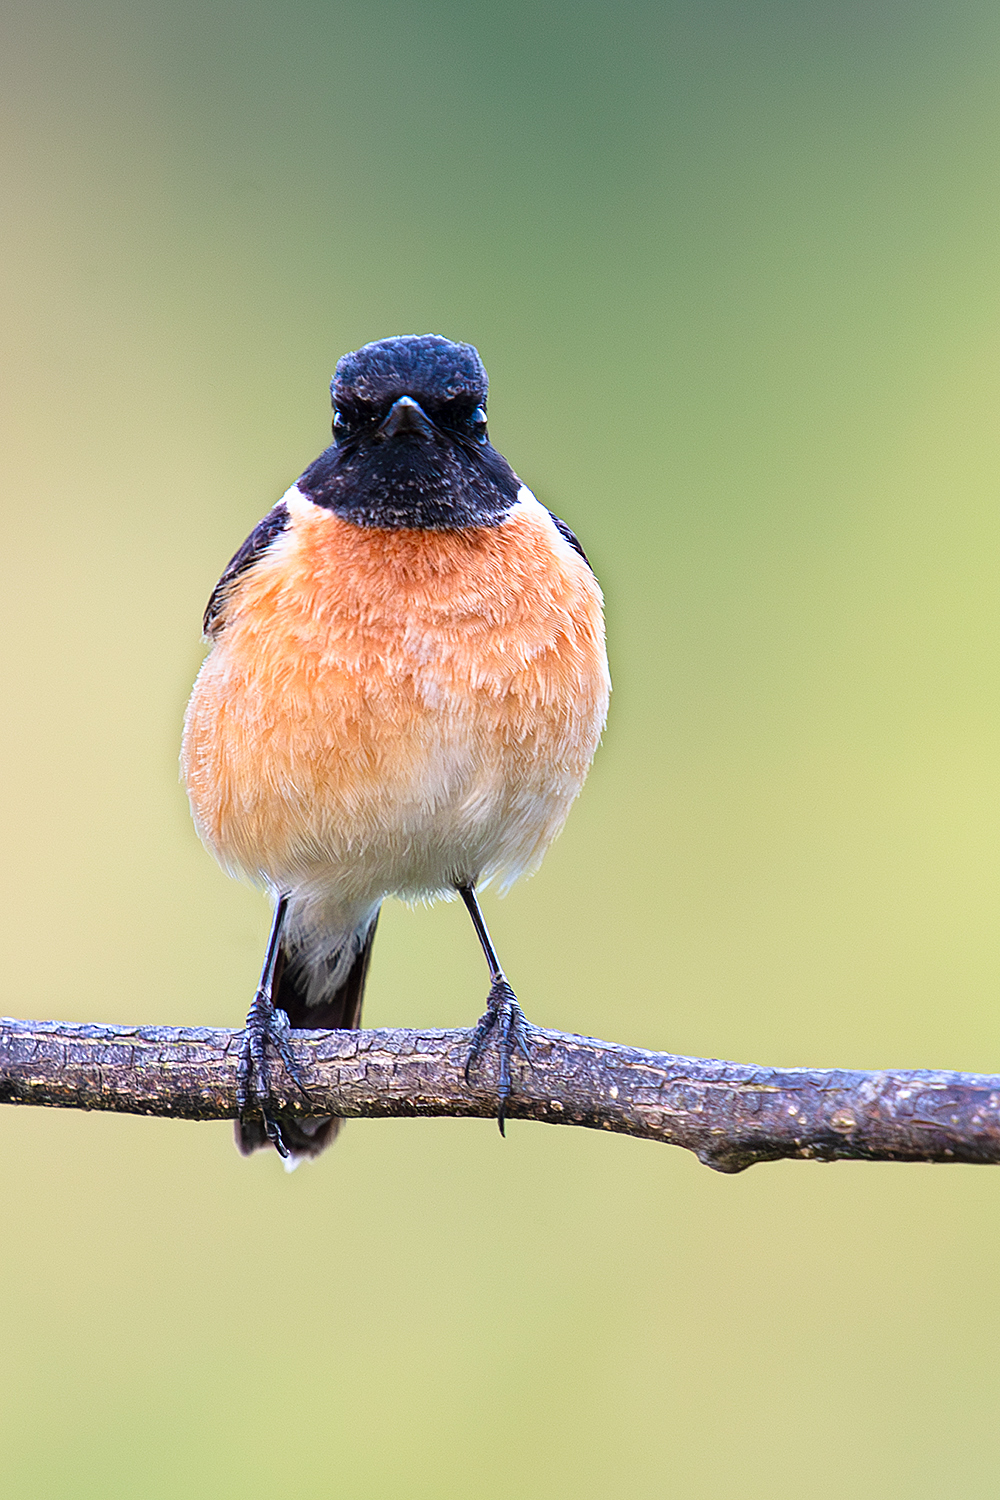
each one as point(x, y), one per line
point(266, 1023)
point(502, 1015)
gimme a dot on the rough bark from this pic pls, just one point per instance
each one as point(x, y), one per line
point(729, 1115)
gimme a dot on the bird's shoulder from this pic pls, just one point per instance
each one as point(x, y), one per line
point(257, 543)
point(569, 535)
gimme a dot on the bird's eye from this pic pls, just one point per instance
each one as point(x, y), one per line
point(340, 424)
point(478, 422)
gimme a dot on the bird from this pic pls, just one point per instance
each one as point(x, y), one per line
point(405, 685)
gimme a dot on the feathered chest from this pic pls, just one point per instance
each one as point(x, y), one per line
point(466, 611)
point(420, 698)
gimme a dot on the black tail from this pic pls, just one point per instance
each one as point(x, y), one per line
point(341, 1012)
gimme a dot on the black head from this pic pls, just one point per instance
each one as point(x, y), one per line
point(432, 370)
point(410, 444)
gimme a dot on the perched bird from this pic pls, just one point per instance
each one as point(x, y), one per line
point(406, 685)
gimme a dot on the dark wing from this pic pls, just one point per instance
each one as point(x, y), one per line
point(570, 536)
point(252, 550)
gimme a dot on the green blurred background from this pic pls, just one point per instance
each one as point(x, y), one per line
point(734, 272)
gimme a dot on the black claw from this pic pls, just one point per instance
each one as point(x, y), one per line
point(504, 1016)
point(265, 1023)
point(279, 1034)
point(274, 1135)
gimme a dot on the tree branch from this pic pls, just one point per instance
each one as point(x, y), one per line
point(729, 1115)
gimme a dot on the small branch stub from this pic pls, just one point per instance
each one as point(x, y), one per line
point(728, 1114)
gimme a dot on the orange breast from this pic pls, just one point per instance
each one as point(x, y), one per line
point(383, 707)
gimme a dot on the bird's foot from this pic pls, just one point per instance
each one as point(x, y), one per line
point(505, 1017)
point(265, 1024)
